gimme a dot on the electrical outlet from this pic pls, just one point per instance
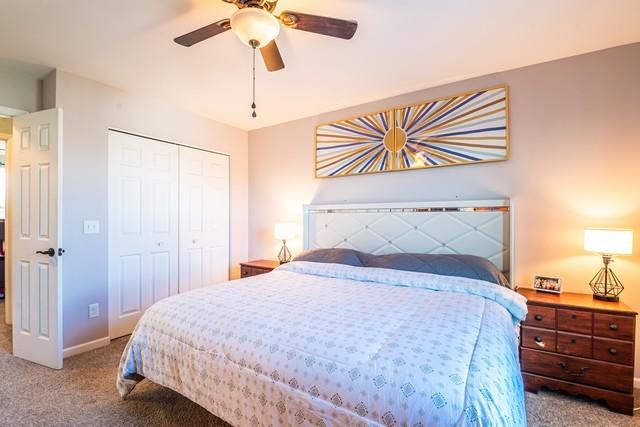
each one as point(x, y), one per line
point(94, 310)
point(91, 226)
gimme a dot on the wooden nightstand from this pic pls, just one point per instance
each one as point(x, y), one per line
point(259, 266)
point(575, 343)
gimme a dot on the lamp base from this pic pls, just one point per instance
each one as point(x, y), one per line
point(284, 256)
point(605, 285)
point(611, 298)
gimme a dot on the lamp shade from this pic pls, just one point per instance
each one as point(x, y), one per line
point(284, 231)
point(608, 241)
point(252, 23)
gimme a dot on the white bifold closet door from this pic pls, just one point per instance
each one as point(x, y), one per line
point(204, 218)
point(168, 224)
point(143, 227)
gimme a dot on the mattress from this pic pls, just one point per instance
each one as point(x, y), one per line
point(329, 344)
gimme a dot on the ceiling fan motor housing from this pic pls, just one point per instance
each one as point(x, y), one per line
point(254, 26)
point(268, 5)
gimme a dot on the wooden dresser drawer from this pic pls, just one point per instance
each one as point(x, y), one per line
point(541, 316)
point(615, 351)
point(246, 271)
point(594, 347)
point(575, 321)
point(613, 326)
point(258, 266)
point(574, 345)
point(540, 339)
point(578, 370)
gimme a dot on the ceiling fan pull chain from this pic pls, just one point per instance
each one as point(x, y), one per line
point(253, 105)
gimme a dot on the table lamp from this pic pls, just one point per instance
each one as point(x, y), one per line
point(284, 231)
point(605, 285)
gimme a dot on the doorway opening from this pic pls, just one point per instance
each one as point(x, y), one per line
point(6, 128)
point(3, 204)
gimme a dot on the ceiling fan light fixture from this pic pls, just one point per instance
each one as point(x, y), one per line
point(252, 23)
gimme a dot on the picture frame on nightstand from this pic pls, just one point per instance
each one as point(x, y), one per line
point(547, 284)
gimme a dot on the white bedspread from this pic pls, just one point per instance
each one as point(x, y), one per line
point(327, 345)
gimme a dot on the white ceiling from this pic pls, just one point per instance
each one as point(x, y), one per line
point(401, 46)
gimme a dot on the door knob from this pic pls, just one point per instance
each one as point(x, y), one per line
point(50, 252)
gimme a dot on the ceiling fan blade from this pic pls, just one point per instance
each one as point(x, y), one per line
point(203, 33)
point(319, 24)
point(272, 58)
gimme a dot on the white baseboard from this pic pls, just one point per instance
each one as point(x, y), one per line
point(91, 345)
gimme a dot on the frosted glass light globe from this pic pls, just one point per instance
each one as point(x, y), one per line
point(252, 23)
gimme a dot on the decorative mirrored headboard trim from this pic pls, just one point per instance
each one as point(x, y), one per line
point(479, 227)
point(438, 209)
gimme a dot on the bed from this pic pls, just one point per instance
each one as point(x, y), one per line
point(330, 341)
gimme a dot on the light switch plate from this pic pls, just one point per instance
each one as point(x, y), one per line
point(91, 227)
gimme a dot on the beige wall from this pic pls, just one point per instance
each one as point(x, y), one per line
point(21, 85)
point(89, 109)
point(575, 145)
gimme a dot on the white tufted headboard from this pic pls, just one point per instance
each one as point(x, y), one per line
point(479, 227)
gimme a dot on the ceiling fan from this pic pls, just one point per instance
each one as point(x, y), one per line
point(256, 25)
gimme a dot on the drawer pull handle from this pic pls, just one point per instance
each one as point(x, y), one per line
point(539, 342)
point(538, 317)
point(580, 373)
point(573, 340)
point(613, 327)
point(613, 351)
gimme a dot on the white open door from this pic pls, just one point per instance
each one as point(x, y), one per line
point(36, 263)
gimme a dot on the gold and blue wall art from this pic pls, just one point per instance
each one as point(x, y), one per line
point(469, 128)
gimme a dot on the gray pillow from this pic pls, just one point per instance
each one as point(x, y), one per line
point(469, 266)
point(332, 256)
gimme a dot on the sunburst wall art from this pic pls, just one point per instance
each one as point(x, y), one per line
point(468, 128)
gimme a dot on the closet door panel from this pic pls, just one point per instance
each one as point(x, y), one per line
point(162, 215)
point(142, 229)
point(161, 279)
point(204, 218)
point(126, 240)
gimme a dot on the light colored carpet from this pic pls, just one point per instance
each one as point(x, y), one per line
point(84, 394)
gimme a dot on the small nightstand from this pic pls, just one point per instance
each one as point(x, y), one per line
point(575, 343)
point(256, 267)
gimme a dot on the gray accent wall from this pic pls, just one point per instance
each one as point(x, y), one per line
point(575, 145)
point(89, 110)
